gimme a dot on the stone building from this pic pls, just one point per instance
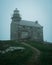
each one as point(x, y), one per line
point(22, 29)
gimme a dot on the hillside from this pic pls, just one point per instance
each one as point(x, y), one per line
point(34, 53)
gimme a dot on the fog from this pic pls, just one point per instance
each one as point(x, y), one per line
point(31, 10)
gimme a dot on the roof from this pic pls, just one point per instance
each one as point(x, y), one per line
point(30, 23)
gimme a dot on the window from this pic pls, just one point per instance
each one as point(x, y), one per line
point(24, 26)
point(24, 34)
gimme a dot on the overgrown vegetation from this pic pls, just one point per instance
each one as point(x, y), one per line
point(19, 57)
point(46, 51)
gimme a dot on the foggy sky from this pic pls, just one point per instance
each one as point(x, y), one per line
point(31, 10)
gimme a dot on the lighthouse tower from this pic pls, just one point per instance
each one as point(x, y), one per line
point(15, 25)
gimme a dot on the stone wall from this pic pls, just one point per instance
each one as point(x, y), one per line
point(32, 33)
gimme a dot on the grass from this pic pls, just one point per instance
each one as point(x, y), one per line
point(25, 56)
point(17, 57)
point(46, 52)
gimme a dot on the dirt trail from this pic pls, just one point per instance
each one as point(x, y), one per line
point(38, 52)
point(34, 56)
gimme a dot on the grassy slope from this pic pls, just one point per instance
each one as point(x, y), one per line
point(46, 52)
point(16, 57)
point(22, 58)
